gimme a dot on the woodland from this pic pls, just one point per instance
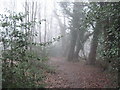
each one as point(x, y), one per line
point(52, 44)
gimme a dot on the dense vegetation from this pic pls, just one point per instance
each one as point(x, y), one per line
point(18, 67)
point(24, 59)
point(102, 17)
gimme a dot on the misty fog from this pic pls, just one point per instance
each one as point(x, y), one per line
point(73, 37)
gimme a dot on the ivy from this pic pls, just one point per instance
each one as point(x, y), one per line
point(19, 68)
point(108, 14)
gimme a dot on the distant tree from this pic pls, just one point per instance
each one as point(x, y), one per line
point(62, 30)
point(77, 29)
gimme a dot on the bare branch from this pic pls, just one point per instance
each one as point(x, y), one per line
point(66, 10)
point(92, 25)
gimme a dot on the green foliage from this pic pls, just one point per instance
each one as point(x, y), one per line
point(19, 62)
point(107, 14)
point(23, 61)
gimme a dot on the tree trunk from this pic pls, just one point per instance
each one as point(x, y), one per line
point(74, 30)
point(45, 33)
point(79, 45)
point(39, 17)
point(94, 44)
point(72, 45)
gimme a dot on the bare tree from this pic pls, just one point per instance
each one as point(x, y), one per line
point(62, 30)
point(45, 22)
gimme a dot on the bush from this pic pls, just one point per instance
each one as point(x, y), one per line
point(19, 60)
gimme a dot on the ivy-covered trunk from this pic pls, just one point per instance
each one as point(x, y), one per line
point(94, 44)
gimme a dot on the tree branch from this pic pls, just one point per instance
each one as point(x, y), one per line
point(66, 10)
point(92, 25)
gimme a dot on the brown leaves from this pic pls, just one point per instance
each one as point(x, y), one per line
point(77, 75)
point(55, 81)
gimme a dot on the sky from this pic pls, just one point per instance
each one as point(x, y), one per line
point(18, 6)
point(6, 3)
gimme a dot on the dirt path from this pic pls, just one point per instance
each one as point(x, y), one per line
point(77, 75)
